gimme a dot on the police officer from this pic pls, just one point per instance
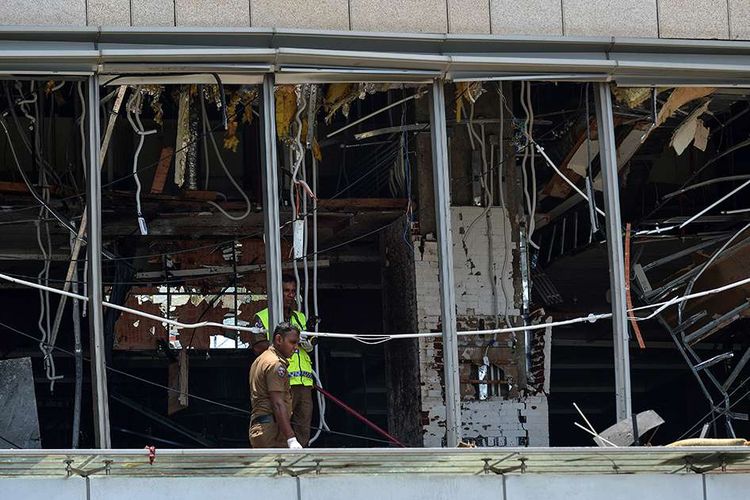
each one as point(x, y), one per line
point(300, 364)
point(270, 395)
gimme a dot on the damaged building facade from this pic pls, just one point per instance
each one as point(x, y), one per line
point(506, 219)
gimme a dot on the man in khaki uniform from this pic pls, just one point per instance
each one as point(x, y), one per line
point(300, 365)
point(270, 393)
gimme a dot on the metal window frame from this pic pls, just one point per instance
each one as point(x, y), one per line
point(271, 217)
point(441, 177)
point(99, 388)
point(615, 251)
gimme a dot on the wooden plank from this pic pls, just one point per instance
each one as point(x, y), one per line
point(556, 186)
point(363, 204)
point(20, 187)
point(162, 170)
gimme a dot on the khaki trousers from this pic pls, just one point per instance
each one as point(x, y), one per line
point(302, 410)
point(266, 436)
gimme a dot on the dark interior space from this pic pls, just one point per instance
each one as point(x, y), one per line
point(187, 243)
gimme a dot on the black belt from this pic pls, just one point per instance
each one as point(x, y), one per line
point(263, 419)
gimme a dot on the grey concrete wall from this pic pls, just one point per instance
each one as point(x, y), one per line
point(696, 19)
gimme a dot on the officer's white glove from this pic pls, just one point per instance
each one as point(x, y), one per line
point(305, 342)
point(293, 444)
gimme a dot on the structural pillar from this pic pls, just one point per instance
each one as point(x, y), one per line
point(608, 159)
point(271, 223)
point(94, 240)
point(441, 177)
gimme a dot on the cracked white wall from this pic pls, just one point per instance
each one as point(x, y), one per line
point(497, 421)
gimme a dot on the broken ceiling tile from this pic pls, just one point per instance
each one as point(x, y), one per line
point(686, 132)
point(679, 98)
point(701, 136)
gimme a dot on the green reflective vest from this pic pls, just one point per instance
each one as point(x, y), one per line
point(300, 365)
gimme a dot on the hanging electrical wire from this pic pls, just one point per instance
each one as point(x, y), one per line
point(41, 226)
point(381, 338)
point(528, 151)
point(532, 156)
point(229, 175)
point(133, 109)
point(501, 192)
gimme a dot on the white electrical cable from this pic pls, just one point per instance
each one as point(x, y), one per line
point(380, 338)
point(487, 185)
point(43, 277)
point(500, 166)
point(204, 140)
point(567, 181)
point(712, 205)
point(658, 230)
point(532, 216)
point(229, 175)
point(133, 108)
point(82, 129)
point(541, 151)
point(663, 305)
point(305, 288)
point(530, 199)
point(485, 171)
point(43, 294)
point(321, 399)
point(299, 157)
point(57, 87)
point(23, 102)
point(525, 158)
point(737, 211)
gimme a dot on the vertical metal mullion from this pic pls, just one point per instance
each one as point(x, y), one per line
point(445, 257)
point(608, 158)
point(94, 235)
point(271, 223)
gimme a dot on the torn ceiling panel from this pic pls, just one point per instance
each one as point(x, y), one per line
point(691, 130)
point(680, 97)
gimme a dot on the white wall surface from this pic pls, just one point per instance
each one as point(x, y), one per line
point(528, 486)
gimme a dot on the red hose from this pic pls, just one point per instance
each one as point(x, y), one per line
point(359, 417)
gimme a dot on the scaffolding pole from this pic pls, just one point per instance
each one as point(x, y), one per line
point(608, 159)
point(94, 247)
point(441, 177)
point(271, 224)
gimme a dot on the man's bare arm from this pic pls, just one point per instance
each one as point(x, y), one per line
point(281, 414)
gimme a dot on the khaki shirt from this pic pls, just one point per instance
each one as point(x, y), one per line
point(269, 374)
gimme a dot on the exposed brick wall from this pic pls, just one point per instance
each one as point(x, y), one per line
point(508, 419)
point(512, 422)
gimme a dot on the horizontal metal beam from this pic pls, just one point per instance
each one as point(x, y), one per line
point(737, 369)
point(639, 61)
point(716, 324)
